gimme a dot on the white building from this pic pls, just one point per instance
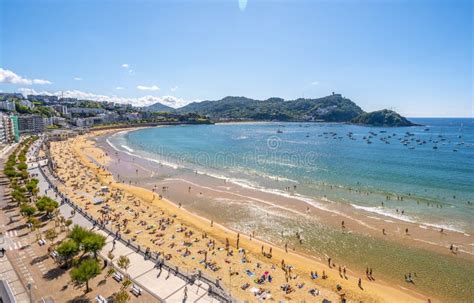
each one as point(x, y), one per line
point(7, 106)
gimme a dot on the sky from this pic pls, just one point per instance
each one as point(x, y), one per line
point(415, 57)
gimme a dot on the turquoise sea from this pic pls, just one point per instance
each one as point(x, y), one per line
point(430, 166)
point(426, 172)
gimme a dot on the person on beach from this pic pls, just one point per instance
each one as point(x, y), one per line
point(360, 283)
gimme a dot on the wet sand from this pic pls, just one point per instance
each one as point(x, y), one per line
point(204, 189)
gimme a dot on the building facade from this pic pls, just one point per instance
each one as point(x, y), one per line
point(9, 131)
point(7, 106)
point(31, 124)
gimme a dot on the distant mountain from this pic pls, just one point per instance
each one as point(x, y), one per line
point(158, 107)
point(333, 108)
point(383, 117)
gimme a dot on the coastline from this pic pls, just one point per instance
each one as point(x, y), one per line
point(299, 258)
point(359, 219)
point(416, 245)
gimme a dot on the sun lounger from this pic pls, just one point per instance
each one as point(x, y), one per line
point(265, 295)
point(254, 290)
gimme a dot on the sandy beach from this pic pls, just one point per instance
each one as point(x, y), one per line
point(145, 213)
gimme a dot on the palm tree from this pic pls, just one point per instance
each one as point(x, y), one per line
point(122, 296)
point(123, 262)
point(50, 235)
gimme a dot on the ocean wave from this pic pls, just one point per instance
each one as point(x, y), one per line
point(310, 201)
point(387, 213)
point(111, 145)
point(131, 153)
point(128, 148)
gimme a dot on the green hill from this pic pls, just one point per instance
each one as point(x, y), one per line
point(333, 108)
point(383, 117)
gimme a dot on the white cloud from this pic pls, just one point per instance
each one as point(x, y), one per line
point(174, 101)
point(125, 65)
point(152, 88)
point(315, 83)
point(139, 101)
point(7, 76)
point(174, 88)
point(78, 78)
point(119, 88)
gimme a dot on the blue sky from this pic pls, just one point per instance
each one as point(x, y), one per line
point(411, 56)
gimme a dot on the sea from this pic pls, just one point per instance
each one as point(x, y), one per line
point(429, 164)
point(421, 174)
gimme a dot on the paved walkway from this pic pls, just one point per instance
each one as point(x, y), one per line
point(162, 284)
point(11, 240)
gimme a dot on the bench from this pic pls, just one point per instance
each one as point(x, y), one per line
point(100, 299)
point(118, 277)
point(54, 254)
point(136, 290)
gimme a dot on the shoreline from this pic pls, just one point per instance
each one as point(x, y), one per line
point(300, 257)
point(415, 244)
point(357, 218)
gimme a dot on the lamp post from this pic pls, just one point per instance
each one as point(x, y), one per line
point(230, 282)
point(30, 292)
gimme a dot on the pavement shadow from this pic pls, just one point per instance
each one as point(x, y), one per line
point(39, 259)
point(54, 273)
point(79, 299)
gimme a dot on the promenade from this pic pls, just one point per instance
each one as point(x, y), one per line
point(163, 284)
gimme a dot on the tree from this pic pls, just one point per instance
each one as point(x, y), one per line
point(35, 223)
point(23, 174)
point(122, 296)
point(22, 166)
point(18, 196)
point(93, 243)
point(67, 250)
point(78, 234)
point(111, 256)
point(87, 270)
point(123, 262)
point(9, 172)
point(46, 204)
point(27, 210)
point(51, 234)
point(126, 283)
point(68, 223)
point(32, 186)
